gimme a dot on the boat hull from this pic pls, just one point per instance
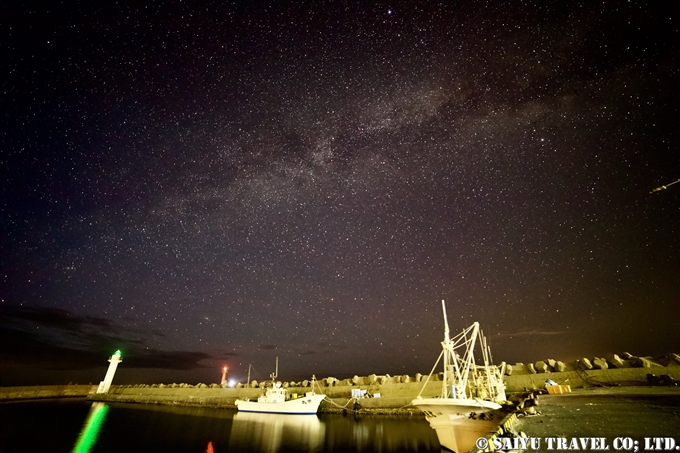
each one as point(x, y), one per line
point(460, 422)
point(305, 405)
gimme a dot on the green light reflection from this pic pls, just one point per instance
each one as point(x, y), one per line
point(88, 435)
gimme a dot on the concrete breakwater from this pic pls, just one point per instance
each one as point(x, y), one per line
point(390, 393)
point(45, 391)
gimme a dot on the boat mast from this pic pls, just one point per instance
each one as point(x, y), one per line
point(446, 324)
point(448, 353)
point(248, 381)
point(276, 373)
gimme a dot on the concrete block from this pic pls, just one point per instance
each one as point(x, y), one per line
point(541, 366)
point(405, 379)
point(531, 368)
point(559, 366)
point(668, 360)
point(617, 362)
point(600, 364)
point(508, 370)
point(676, 358)
point(644, 362)
point(585, 364)
point(419, 377)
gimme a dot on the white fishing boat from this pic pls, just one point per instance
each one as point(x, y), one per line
point(468, 406)
point(276, 400)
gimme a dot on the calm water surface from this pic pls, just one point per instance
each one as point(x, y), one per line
point(82, 426)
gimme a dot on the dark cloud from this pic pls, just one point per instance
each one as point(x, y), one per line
point(55, 339)
point(267, 347)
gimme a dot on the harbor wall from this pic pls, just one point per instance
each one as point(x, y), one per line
point(391, 395)
point(387, 391)
point(581, 379)
point(611, 370)
point(396, 392)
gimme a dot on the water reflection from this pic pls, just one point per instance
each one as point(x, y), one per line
point(380, 433)
point(268, 433)
point(275, 432)
point(131, 428)
point(93, 423)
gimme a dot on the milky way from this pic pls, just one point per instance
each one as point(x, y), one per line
point(232, 182)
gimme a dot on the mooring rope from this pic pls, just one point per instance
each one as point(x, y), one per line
point(341, 407)
point(358, 400)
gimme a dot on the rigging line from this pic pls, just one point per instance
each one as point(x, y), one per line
point(430, 375)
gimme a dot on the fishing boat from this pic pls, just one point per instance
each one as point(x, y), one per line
point(276, 400)
point(468, 406)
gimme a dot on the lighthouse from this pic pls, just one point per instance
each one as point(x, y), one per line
point(114, 360)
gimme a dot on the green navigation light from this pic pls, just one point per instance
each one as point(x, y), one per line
point(117, 354)
point(88, 435)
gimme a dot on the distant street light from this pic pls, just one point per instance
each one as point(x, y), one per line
point(223, 383)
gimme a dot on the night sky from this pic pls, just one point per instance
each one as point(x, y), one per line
point(224, 183)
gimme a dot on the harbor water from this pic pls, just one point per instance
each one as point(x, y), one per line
point(83, 426)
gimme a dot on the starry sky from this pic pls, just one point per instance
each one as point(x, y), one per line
point(203, 184)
